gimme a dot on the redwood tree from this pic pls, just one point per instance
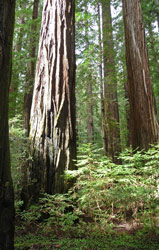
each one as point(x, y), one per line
point(143, 122)
point(52, 122)
point(111, 132)
point(7, 12)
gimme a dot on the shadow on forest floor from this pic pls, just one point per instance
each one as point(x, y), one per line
point(122, 237)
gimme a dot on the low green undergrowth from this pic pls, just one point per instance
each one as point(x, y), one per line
point(109, 206)
point(112, 194)
point(96, 241)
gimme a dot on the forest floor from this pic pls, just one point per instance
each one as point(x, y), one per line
point(30, 236)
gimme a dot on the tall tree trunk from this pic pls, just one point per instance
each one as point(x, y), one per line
point(155, 60)
point(128, 142)
point(143, 122)
point(52, 122)
point(30, 70)
point(111, 113)
point(89, 89)
point(152, 44)
point(89, 110)
point(7, 9)
point(15, 76)
point(101, 72)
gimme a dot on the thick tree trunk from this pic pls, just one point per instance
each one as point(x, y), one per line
point(110, 113)
point(52, 123)
point(7, 9)
point(143, 122)
point(30, 70)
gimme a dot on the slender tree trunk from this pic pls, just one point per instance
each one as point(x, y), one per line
point(15, 77)
point(153, 47)
point(7, 9)
point(101, 73)
point(52, 122)
point(155, 59)
point(30, 70)
point(111, 113)
point(128, 144)
point(143, 122)
point(89, 110)
point(89, 89)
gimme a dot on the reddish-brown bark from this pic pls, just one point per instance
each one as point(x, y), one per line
point(111, 132)
point(143, 122)
point(52, 123)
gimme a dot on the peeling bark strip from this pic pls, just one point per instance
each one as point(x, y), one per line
point(7, 9)
point(52, 122)
point(143, 122)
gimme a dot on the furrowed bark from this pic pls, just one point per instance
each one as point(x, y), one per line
point(143, 122)
point(111, 131)
point(52, 123)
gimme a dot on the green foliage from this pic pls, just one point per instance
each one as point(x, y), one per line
point(96, 241)
point(18, 143)
point(112, 193)
point(104, 192)
point(104, 197)
point(87, 73)
point(53, 214)
point(21, 53)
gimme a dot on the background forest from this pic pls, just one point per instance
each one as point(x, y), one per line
point(110, 199)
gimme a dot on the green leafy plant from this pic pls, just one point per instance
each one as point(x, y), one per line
point(105, 199)
point(18, 142)
point(111, 193)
